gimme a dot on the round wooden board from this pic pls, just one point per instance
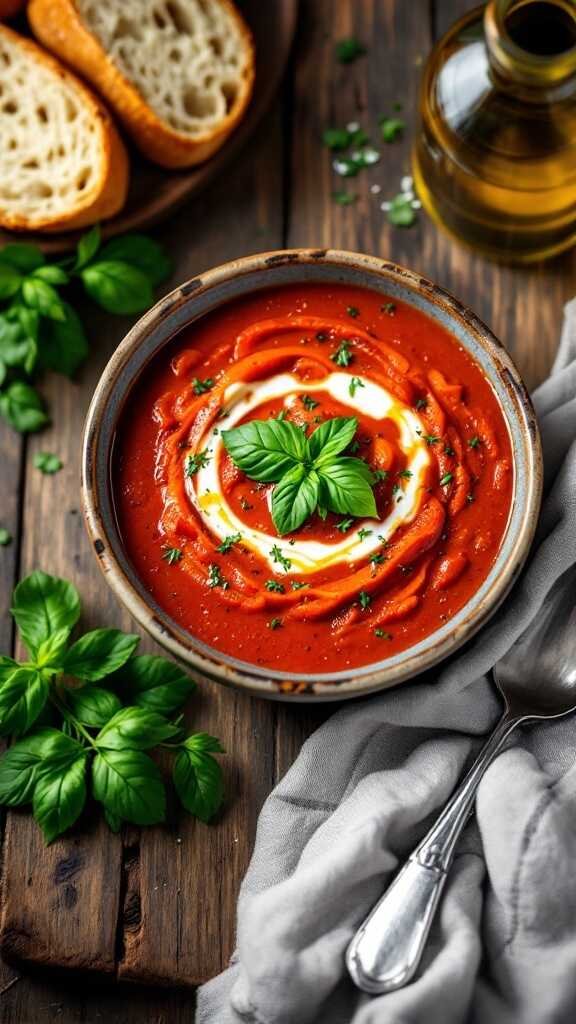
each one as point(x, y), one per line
point(155, 192)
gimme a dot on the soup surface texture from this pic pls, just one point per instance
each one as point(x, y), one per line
point(342, 590)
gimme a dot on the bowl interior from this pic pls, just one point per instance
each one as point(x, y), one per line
point(203, 294)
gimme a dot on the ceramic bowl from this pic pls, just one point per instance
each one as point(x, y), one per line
point(240, 277)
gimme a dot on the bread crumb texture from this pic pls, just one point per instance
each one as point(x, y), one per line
point(187, 58)
point(50, 141)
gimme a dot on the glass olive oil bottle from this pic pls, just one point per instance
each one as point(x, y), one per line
point(495, 156)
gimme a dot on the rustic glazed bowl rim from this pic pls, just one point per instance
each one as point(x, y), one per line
point(212, 289)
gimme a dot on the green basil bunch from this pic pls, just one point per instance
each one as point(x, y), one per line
point(40, 330)
point(85, 712)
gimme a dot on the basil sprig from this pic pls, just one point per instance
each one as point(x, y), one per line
point(40, 330)
point(86, 712)
point(310, 473)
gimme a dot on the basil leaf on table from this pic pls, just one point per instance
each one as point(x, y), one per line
point(22, 256)
point(87, 247)
point(51, 275)
point(43, 604)
point(294, 499)
point(59, 796)
point(7, 667)
point(93, 706)
point(41, 296)
point(198, 776)
point(19, 767)
point(22, 407)
point(64, 345)
point(47, 463)
point(50, 653)
point(153, 682)
point(141, 252)
point(117, 286)
point(129, 785)
point(99, 653)
point(10, 280)
point(22, 697)
point(136, 729)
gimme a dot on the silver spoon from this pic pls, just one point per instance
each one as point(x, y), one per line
point(537, 680)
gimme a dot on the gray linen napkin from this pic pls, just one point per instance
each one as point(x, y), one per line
point(364, 789)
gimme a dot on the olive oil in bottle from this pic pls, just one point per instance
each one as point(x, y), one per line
point(495, 155)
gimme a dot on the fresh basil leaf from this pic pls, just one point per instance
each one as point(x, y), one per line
point(265, 449)
point(3, 372)
point(152, 682)
point(117, 286)
point(141, 252)
point(136, 729)
point(93, 706)
point(63, 345)
point(22, 697)
point(198, 776)
point(345, 487)
point(43, 604)
point(22, 407)
point(47, 462)
point(129, 785)
point(29, 319)
point(99, 653)
point(51, 274)
point(20, 765)
point(43, 297)
point(87, 247)
point(51, 651)
point(10, 281)
point(16, 347)
point(331, 438)
point(114, 821)
point(22, 256)
point(7, 667)
point(59, 796)
point(294, 499)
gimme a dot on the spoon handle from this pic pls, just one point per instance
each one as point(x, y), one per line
point(386, 950)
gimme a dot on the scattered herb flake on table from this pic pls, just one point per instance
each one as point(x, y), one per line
point(348, 50)
point(47, 463)
point(5, 537)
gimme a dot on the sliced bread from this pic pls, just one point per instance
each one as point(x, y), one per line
point(178, 73)
point(62, 163)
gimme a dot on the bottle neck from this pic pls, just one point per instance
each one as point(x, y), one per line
point(532, 46)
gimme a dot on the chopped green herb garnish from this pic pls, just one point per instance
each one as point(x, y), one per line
point(172, 555)
point(395, 488)
point(342, 356)
point(430, 439)
point(382, 634)
point(405, 474)
point(343, 199)
point(281, 416)
point(355, 383)
point(474, 442)
point(344, 525)
point(364, 600)
point(46, 462)
point(280, 558)
point(274, 586)
point(308, 402)
point(354, 447)
point(245, 505)
point(348, 50)
point(195, 462)
point(389, 308)
point(353, 311)
point(215, 577)
point(200, 387)
point(391, 128)
point(421, 403)
point(274, 623)
point(381, 474)
point(377, 558)
point(448, 450)
point(296, 585)
point(446, 479)
point(228, 543)
point(401, 212)
point(363, 533)
point(336, 138)
point(5, 537)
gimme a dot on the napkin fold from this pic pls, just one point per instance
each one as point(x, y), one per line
point(364, 790)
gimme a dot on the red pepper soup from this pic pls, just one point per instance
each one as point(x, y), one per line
point(312, 478)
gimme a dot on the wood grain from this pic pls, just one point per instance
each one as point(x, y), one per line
point(176, 901)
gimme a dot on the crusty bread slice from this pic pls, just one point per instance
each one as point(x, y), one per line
point(62, 163)
point(178, 73)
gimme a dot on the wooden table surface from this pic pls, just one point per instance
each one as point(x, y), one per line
point(142, 907)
